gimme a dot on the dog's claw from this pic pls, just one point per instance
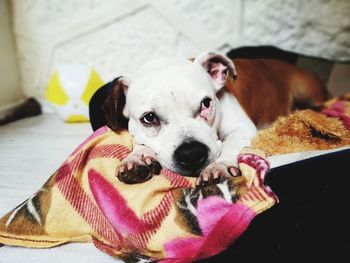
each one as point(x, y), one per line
point(216, 173)
point(153, 164)
point(148, 161)
point(134, 173)
point(234, 171)
point(138, 169)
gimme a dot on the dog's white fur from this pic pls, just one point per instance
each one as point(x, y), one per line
point(174, 90)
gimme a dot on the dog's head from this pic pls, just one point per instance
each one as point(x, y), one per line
point(172, 107)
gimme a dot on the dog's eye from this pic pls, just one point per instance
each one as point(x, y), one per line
point(205, 104)
point(150, 118)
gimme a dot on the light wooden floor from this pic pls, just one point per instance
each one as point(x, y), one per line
point(30, 151)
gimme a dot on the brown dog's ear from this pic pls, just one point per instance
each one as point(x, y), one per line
point(114, 105)
point(107, 104)
point(218, 66)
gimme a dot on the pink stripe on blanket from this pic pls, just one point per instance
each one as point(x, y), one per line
point(337, 110)
point(221, 223)
point(81, 202)
point(114, 206)
point(96, 134)
point(135, 232)
point(176, 180)
point(260, 164)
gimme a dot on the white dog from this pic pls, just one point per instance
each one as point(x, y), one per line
point(182, 118)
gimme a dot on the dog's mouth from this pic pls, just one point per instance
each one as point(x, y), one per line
point(192, 171)
point(185, 172)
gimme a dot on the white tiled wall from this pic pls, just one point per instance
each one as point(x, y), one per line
point(313, 27)
point(116, 36)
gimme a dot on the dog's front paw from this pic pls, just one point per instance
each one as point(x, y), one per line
point(215, 173)
point(138, 168)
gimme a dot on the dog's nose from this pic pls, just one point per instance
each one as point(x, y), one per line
point(191, 156)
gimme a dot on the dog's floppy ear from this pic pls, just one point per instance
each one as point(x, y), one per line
point(107, 104)
point(218, 66)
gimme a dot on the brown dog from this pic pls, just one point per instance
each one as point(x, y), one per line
point(268, 88)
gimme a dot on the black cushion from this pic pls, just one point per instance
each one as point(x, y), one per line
point(311, 223)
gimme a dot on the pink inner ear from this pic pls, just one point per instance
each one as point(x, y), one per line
point(217, 71)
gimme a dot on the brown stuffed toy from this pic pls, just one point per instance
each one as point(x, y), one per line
point(327, 127)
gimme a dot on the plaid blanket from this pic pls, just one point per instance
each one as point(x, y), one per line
point(164, 219)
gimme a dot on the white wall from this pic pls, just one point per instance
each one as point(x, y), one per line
point(313, 27)
point(119, 35)
point(10, 88)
